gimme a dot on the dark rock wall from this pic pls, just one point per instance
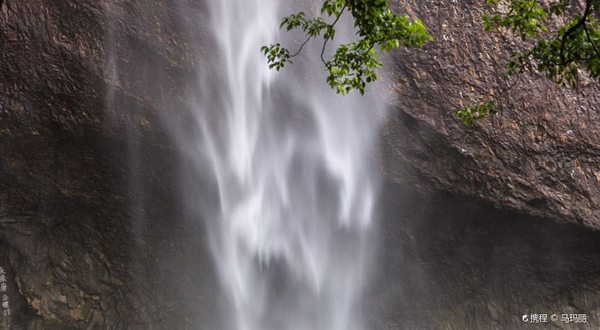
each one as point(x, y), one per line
point(540, 156)
point(447, 262)
point(91, 233)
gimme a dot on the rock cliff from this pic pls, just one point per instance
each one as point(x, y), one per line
point(93, 235)
point(540, 156)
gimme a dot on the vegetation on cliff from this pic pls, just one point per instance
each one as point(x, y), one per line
point(353, 64)
point(559, 51)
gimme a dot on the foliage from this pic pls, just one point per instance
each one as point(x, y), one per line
point(476, 112)
point(561, 54)
point(353, 64)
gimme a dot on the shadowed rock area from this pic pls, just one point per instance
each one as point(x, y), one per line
point(93, 235)
point(449, 262)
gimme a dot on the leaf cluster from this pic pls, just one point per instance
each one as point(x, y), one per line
point(353, 64)
point(277, 56)
point(472, 113)
point(560, 54)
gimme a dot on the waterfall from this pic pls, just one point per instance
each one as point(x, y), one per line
point(290, 165)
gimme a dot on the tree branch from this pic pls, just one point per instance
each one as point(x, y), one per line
point(326, 40)
point(367, 53)
point(580, 23)
point(587, 34)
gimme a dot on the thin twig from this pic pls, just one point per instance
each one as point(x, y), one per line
point(301, 46)
point(323, 52)
point(509, 87)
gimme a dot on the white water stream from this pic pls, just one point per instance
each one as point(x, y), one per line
point(291, 162)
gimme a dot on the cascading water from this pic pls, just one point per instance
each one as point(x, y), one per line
point(291, 163)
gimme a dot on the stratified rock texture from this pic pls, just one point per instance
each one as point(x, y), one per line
point(540, 156)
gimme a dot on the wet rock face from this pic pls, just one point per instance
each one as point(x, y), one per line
point(540, 156)
point(91, 233)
